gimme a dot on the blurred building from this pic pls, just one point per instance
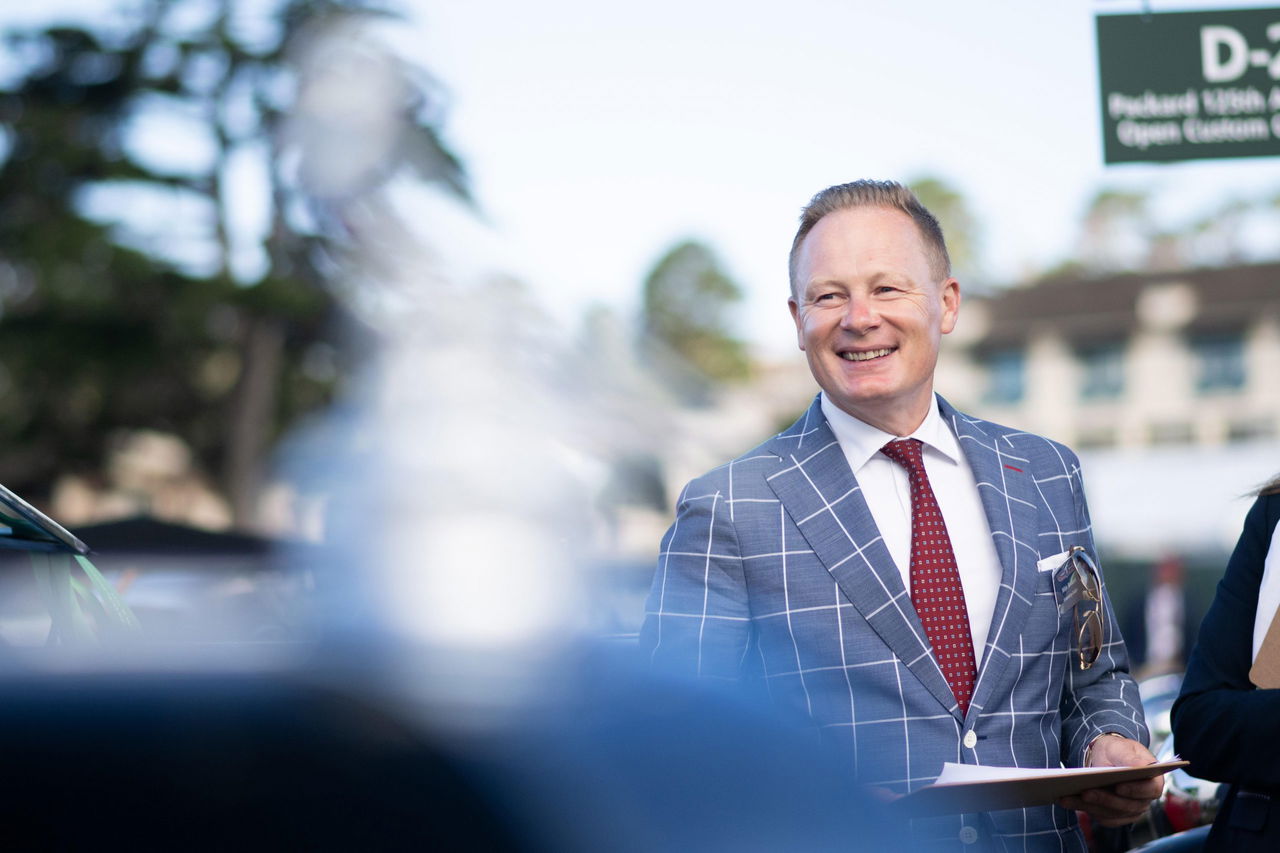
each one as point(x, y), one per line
point(1130, 361)
point(1168, 384)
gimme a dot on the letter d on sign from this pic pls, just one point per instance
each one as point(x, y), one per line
point(1215, 68)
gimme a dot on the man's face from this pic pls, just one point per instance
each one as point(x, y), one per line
point(870, 315)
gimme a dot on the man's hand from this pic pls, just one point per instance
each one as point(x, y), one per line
point(1122, 804)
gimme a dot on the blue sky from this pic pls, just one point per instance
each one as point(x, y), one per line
point(597, 134)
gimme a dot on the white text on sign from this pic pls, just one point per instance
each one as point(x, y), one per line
point(1225, 54)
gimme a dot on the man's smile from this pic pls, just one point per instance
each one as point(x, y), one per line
point(866, 355)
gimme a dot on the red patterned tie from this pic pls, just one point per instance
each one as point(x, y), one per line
point(935, 581)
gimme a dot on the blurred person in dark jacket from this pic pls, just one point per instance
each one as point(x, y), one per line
point(1160, 626)
point(1222, 723)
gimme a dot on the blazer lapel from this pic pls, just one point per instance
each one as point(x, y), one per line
point(1009, 499)
point(823, 499)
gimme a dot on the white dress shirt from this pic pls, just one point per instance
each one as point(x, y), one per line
point(1268, 593)
point(888, 494)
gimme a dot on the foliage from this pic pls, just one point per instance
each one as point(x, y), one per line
point(1120, 232)
point(687, 299)
point(145, 281)
point(959, 225)
point(1116, 230)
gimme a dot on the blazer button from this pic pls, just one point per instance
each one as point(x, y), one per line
point(970, 739)
point(968, 835)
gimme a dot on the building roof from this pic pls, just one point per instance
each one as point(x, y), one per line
point(1095, 311)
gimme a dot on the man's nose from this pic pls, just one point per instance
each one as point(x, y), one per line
point(860, 316)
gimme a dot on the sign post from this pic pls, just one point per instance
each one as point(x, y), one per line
point(1190, 85)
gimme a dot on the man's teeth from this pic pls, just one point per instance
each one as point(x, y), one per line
point(865, 356)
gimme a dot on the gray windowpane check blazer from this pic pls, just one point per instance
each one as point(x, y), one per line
point(774, 569)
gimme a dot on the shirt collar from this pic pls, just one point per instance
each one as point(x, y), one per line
point(860, 441)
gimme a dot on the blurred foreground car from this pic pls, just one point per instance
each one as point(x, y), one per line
point(328, 757)
point(114, 735)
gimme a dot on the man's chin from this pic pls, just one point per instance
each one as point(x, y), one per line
point(890, 411)
point(865, 405)
point(866, 397)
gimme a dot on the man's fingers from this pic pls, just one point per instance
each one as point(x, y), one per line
point(1095, 810)
point(1105, 815)
point(1101, 799)
point(1145, 789)
point(1112, 806)
point(1123, 803)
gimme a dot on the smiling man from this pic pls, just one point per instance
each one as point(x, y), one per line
point(886, 566)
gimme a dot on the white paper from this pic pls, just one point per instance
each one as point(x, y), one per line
point(953, 774)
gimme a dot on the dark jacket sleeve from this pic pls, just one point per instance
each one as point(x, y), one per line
point(1225, 727)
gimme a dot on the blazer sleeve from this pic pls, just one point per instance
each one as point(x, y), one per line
point(1104, 697)
point(1223, 725)
point(697, 619)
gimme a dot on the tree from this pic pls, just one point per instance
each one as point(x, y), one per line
point(687, 298)
point(135, 290)
point(1116, 233)
point(1218, 237)
point(959, 226)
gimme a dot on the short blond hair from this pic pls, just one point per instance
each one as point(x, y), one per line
point(867, 193)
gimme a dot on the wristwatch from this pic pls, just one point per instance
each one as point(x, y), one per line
point(1088, 750)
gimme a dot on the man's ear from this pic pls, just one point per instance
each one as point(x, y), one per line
point(950, 304)
point(795, 318)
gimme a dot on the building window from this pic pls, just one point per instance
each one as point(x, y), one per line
point(1096, 438)
point(1103, 372)
point(1253, 430)
point(1005, 376)
point(1171, 433)
point(1219, 363)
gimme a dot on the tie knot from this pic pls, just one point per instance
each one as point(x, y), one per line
point(906, 452)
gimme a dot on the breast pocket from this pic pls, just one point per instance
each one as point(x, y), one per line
point(1045, 625)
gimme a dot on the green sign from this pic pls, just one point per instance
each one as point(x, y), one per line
point(1190, 85)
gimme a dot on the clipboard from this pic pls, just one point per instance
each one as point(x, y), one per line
point(1018, 791)
point(1265, 672)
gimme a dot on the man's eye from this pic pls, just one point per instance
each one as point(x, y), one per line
point(828, 297)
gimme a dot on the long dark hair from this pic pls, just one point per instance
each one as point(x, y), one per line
point(1271, 488)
